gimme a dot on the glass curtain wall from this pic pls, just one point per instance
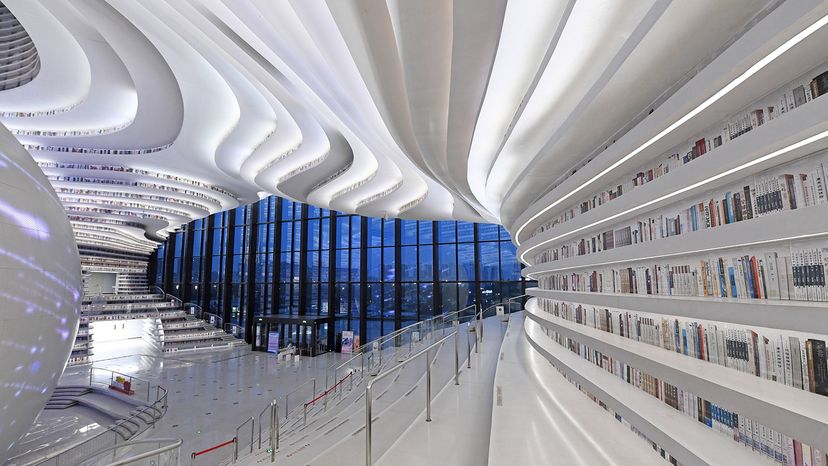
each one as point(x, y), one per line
point(368, 275)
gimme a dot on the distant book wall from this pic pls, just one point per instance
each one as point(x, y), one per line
point(787, 271)
point(788, 98)
point(737, 426)
point(793, 186)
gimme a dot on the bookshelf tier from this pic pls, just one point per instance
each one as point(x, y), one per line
point(687, 440)
point(798, 316)
point(808, 222)
point(796, 413)
point(700, 176)
point(788, 19)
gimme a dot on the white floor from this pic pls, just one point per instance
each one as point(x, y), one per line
point(539, 418)
point(117, 340)
point(458, 433)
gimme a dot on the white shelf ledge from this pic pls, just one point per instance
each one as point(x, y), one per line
point(809, 222)
point(686, 439)
point(801, 316)
point(796, 413)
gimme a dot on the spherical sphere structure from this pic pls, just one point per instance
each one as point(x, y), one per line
point(40, 291)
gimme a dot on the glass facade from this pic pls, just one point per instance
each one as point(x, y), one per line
point(367, 275)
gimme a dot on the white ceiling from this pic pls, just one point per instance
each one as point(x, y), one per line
point(428, 109)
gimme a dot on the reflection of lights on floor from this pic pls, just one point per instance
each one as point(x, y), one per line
point(88, 428)
point(119, 338)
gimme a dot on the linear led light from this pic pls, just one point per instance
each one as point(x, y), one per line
point(683, 253)
point(790, 43)
point(743, 166)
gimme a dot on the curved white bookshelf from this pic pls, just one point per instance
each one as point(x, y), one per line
point(796, 413)
point(684, 438)
point(799, 316)
point(784, 22)
point(808, 222)
point(773, 136)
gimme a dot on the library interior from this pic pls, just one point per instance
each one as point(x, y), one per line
point(387, 232)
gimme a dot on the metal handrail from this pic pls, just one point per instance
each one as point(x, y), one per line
point(252, 422)
point(368, 388)
point(287, 395)
point(174, 445)
point(363, 348)
point(196, 306)
point(507, 302)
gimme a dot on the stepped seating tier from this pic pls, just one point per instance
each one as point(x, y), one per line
point(177, 329)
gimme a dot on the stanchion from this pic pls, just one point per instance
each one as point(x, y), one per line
point(468, 344)
point(428, 387)
point(456, 353)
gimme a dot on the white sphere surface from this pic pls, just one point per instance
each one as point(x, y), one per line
point(40, 283)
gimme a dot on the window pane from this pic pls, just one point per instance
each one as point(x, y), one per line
point(448, 298)
point(465, 262)
point(356, 231)
point(426, 263)
point(409, 231)
point(447, 262)
point(489, 261)
point(374, 264)
point(388, 231)
point(355, 265)
point(342, 268)
point(426, 234)
point(446, 232)
point(426, 299)
point(487, 232)
point(510, 266)
point(343, 231)
point(388, 264)
point(374, 232)
point(465, 232)
point(408, 267)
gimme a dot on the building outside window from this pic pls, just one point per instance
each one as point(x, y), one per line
point(367, 275)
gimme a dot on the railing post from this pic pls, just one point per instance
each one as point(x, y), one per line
point(90, 375)
point(305, 413)
point(149, 385)
point(278, 434)
point(368, 397)
point(192, 459)
point(287, 402)
point(362, 367)
point(252, 429)
point(314, 388)
point(456, 354)
point(428, 386)
point(468, 344)
point(260, 431)
point(235, 449)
